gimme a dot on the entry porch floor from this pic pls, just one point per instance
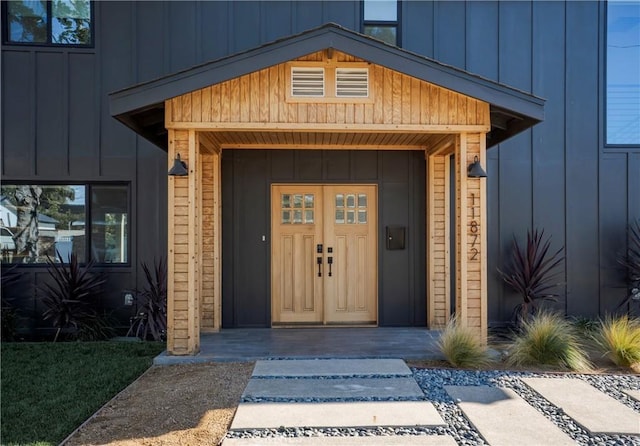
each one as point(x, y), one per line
point(250, 344)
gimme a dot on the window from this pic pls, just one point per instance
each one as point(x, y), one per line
point(57, 22)
point(91, 221)
point(380, 20)
point(307, 82)
point(623, 73)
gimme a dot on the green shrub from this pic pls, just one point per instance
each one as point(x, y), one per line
point(462, 347)
point(549, 339)
point(619, 339)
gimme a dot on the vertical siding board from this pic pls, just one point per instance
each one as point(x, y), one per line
point(245, 32)
point(51, 112)
point(82, 104)
point(482, 38)
point(182, 35)
point(417, 27)
point(149, 40)
point(18, 116)
point(449, 29)
point(548, 165)
point(215, 30)
point(612, 230)
point(581, 145)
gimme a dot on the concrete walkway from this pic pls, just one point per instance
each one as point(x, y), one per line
point(361, 394)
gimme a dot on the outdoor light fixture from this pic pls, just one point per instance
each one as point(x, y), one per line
point(179, 168)
point(475, 169)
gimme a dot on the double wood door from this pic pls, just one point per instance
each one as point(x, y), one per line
point(324, 260)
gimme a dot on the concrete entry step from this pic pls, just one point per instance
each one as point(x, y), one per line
point(592, 409)
point(357, 388)
point(503, 418)
point(402, 440)
point(331, 367)
point(336, 414)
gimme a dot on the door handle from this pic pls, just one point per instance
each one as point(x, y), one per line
point(319, 261)
point(330, 262)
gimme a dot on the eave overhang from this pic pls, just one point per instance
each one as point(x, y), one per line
point(141, 107)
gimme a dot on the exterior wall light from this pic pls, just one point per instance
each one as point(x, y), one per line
point(179, 168)
point(475, 169)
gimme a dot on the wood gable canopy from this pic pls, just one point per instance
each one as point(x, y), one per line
point(246, 101)
point(142, 107)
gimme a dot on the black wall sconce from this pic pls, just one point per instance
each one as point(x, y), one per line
point(179, 168)
point(475, 169)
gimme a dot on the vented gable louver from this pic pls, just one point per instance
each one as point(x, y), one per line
point(307, 82)
point(352, 82)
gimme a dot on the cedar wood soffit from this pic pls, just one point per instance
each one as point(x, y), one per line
point(141, 107)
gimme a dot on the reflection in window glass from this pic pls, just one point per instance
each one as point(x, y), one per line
point(308, 201)
point(297, 201)
point(351, 201)
point(71, 22)
point(380, 10)
point(387, 34)
point(65, 22)
point(286, 217)
point(362, 200)
point(339, 201)
point(38, 220)
point(339, 216)
point(286, 201)
point(362, 217)
point(109, 224)
point(297, 217)
point(351, 217)
point(27, 21)
point(623, 72)
point(308, 216)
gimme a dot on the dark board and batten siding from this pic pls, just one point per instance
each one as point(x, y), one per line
point(247, 176)
point(56, 124)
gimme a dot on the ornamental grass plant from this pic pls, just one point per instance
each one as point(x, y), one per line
point(462, 347)
point(548, 339)
point(619, 339)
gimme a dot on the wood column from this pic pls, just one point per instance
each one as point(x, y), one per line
point(438, 240)
point(184, 254)
point(471, 235)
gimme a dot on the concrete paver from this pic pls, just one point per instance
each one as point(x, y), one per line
point(404, 440)
point(503, 418)
point(328, 367)
point(635, 394)
point(588, 406)
point(338, 414)
point(333, 388)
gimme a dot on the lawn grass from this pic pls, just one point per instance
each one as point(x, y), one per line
point(50, 389)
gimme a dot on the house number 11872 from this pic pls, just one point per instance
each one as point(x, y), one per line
point(473, 229)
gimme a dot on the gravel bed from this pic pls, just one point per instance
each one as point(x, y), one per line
point(432, 382)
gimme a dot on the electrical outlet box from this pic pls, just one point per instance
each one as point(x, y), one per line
point(128, 299)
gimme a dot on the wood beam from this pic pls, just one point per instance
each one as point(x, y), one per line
point(323, 127)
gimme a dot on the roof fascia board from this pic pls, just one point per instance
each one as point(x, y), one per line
point(211, 73)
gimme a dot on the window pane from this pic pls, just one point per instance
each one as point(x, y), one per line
point(339, 200)
point(385, 10)
point(297, 217)
point(286, 201)
point(362, 200)
point(39, 220)
point(351, 201)
point(109, 224)
point(27, 21)
point(286, 217)
point(623, 73)
point(351, 217)
point(385, 33)
point(362, 217)
point(297, 201)
point(308, 201)
point(308, 217)
point(71, 22)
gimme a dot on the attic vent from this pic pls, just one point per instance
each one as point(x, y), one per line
point(307, 82)
point(352, 82)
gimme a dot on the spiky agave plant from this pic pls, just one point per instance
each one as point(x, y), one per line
point(619, 339)
point(548, 339)
point(532, 272)
point(462, 347)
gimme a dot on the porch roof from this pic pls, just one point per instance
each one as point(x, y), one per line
point(142, 108)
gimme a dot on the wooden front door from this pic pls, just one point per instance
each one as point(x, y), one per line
point(324, 260)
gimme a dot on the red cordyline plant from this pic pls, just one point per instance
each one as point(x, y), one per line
point(532, 272)
point(70, 298)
